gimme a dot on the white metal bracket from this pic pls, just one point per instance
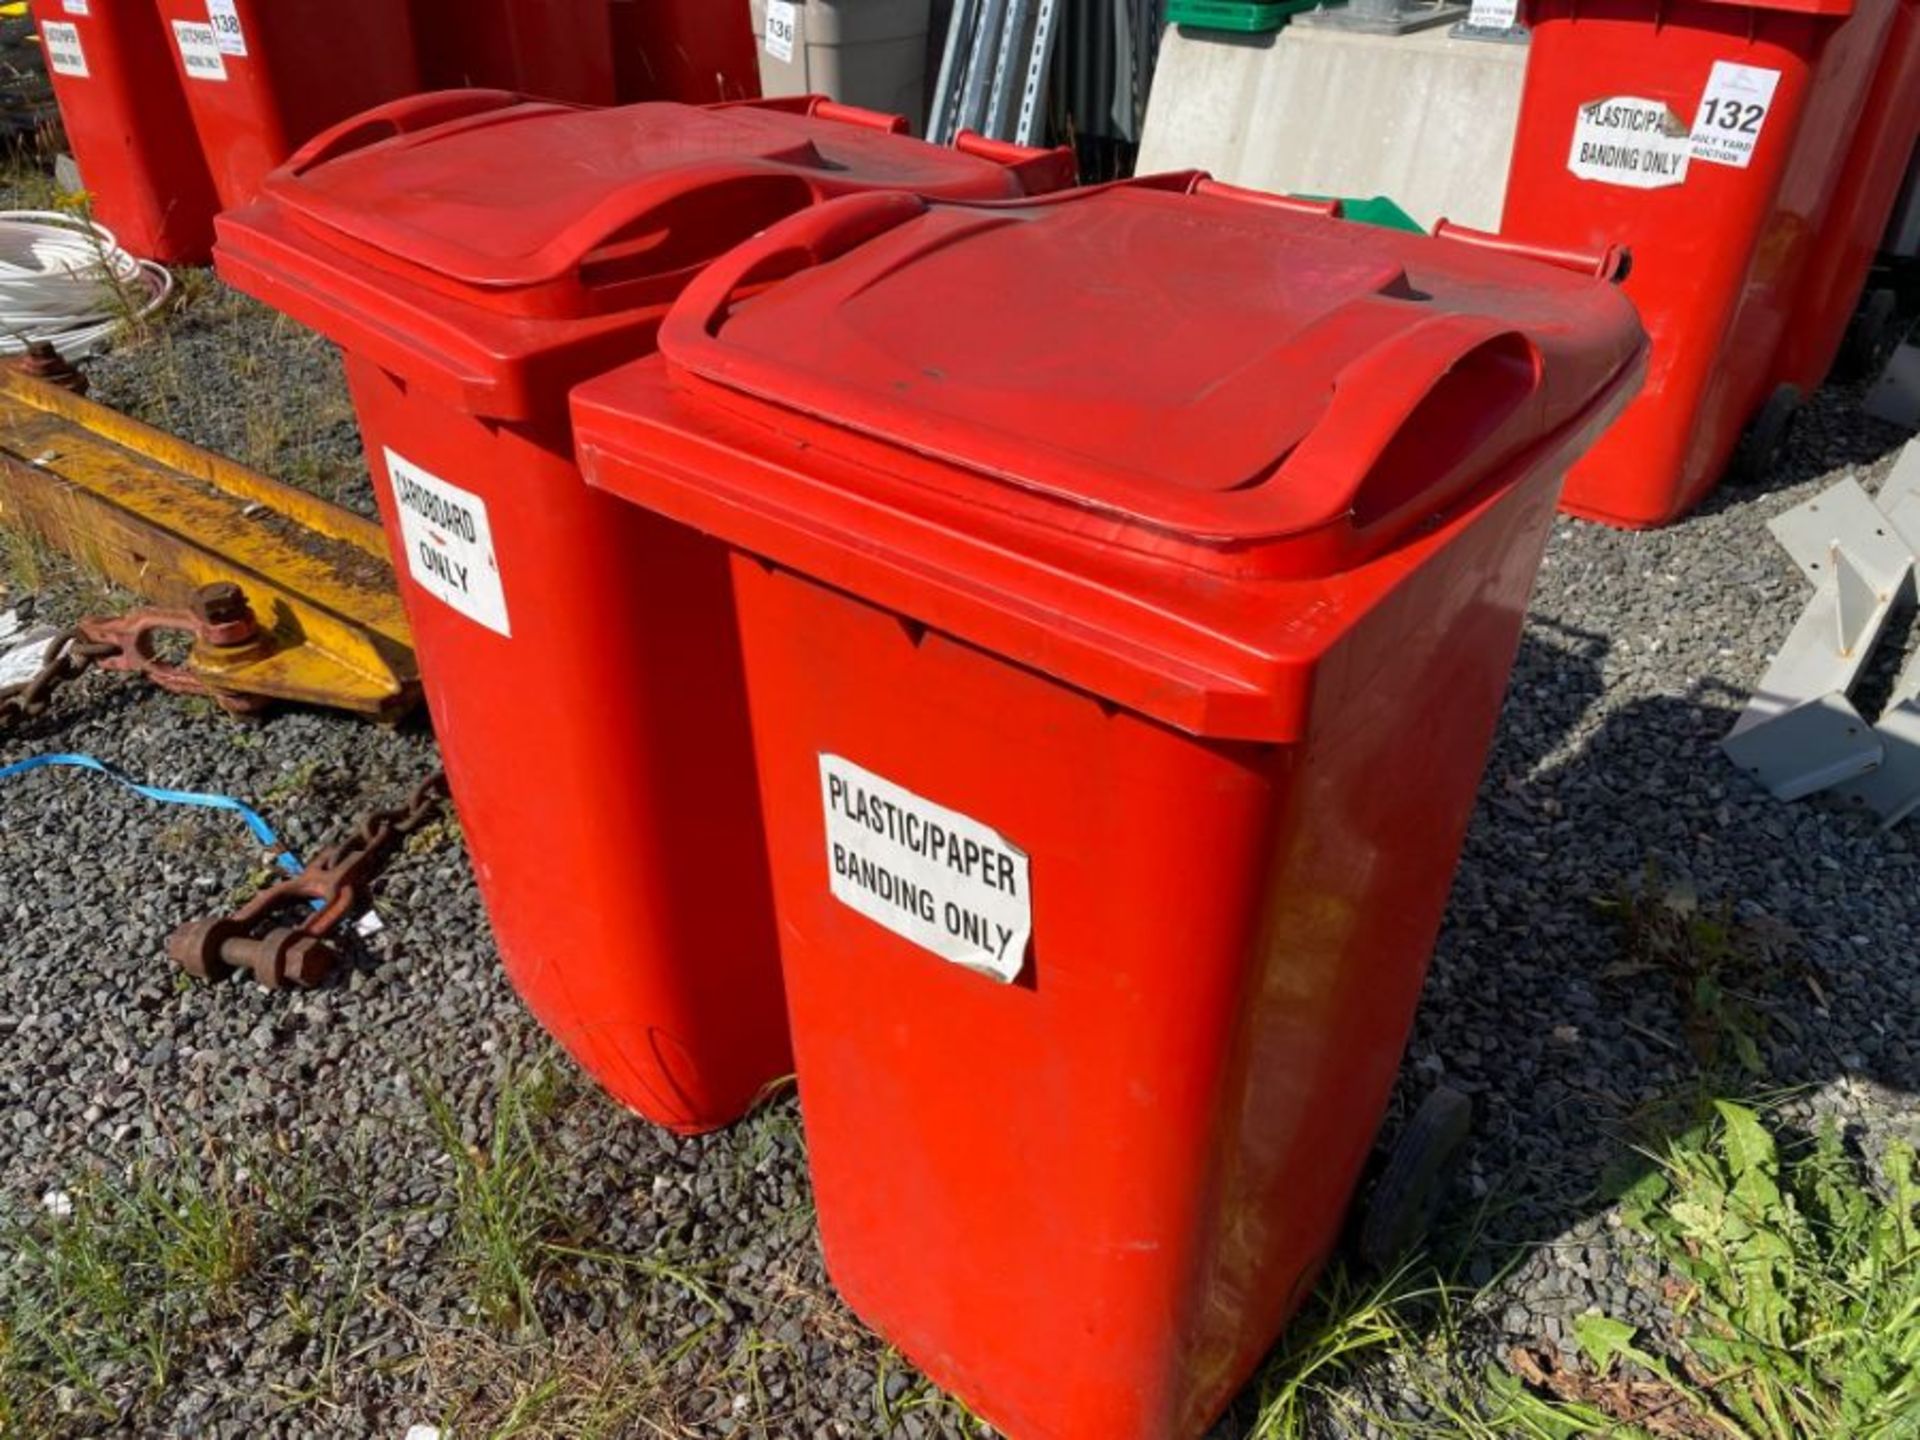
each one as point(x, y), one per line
point(1800, 733)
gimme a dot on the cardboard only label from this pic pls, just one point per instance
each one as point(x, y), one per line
point(449, 543)
point(1733, 112)
point(1630, 141)
point(931, 875)
point(64, 53)
point(783, 25)
point(224, 16)
point(199, 50)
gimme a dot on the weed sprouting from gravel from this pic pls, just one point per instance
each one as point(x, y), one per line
point(110, 1288)
point(508, 1213)
point(1793, 1272)
point(1722, 967)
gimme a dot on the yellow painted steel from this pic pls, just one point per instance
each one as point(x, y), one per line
point(162, 518)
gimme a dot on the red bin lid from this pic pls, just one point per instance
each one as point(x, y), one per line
point(1188, 396)
point(533, 211)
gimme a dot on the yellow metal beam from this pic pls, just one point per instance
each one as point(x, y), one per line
point(162, 518)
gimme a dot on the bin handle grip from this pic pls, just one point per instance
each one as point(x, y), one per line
point(401, 117)
point(1039, 171)
point(1612, 263)
point(1441, 397)
point(1296, 204)
point(810, 238)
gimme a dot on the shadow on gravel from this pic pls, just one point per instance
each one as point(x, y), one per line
point(1634, 928)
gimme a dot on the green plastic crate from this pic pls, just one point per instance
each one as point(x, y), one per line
point(1242, 17)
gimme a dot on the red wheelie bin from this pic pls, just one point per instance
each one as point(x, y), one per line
point(555, 49)
point(263, 77)
point(476, 254)
point(1849, 242)
point(127, 123)
point(1128, 583)
point(699, 52)
point(1710, 137)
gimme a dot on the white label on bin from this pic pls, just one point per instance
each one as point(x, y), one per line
point(77, 7)
point(930, 875)
point(783, 26)
point(1732, 113)
point(1494, 14)
point(64, 54)
point(224, 16)
point(449, 543)
point(1626, 140)
point(199, 50)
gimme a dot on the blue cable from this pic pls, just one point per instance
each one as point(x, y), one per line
point(262, 831)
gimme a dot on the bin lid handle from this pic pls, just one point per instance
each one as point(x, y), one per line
point(810, 238)
point(1416, 424)
point(406, 116)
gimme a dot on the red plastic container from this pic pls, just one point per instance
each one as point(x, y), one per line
point(476, 255)
point(555, 49)
point(1870, 185)
point(1709, 136)
point(698, 52)
point(1123, 655)
point(265, 76)
point(127, 124)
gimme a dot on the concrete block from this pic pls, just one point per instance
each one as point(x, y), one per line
point(1427, 119)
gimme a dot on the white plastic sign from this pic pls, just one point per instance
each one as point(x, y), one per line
point(783, 26)
point(449, 543)
point(1732, 113)
point(931, 875)
point(1494, 14)
point(64, 53)
point(1630, 141)
point(199, 50)
point(224, 16)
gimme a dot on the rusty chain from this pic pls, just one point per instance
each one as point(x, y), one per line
point(332, 887)
point(257, 937)
point(70, 654)
point(220, 620)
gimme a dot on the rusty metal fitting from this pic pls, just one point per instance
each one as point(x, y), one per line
point(136, 638)
point(43, 362)
point(222, 606)
point(282, 958)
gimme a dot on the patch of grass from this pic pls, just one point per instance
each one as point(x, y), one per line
point(1722, 968)
point(509, 1215)
point(108, 1292)
point(1794, 1275)
point(579, 1383)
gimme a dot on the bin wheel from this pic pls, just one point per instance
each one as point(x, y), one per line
point(1872, 336)
point(1407, 1195)
point(1764, 445)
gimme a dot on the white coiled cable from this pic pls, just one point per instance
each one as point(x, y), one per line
point(66, 280)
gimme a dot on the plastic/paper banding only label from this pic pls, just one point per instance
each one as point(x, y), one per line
point(783, 25)
point(224, 16)
point(62, 44)
point(199, 50)
point(930, 875)
point(1631, 141)
point(1732, 113)
point(448, 542)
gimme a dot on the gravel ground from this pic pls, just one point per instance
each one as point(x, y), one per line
point(374, 1298)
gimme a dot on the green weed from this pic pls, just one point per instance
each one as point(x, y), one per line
point(1795, 1281)
point(1722, 968)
